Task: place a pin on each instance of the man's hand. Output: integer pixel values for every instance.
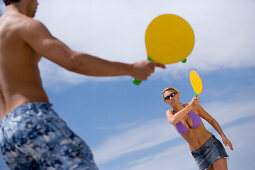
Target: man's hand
(143, 69)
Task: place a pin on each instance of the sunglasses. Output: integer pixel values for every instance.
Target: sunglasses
(171, 95)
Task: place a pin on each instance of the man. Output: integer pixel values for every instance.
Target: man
(32, 135)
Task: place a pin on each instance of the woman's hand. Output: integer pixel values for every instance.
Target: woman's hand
(227, 142)
(194, 102)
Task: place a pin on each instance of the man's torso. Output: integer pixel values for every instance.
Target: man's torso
(20, 80)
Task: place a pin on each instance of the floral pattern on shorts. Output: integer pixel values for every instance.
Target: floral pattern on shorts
(33, 136)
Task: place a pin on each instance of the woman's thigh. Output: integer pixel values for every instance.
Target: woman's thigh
(210, 168)
(220, 164)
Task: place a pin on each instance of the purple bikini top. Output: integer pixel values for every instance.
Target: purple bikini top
(196, 121)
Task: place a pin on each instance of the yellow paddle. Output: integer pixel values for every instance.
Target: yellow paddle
(168, 39)
(196, 82)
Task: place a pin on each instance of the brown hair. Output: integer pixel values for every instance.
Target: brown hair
(169, 89)
(8, 2)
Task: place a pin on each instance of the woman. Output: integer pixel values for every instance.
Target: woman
(207, 150)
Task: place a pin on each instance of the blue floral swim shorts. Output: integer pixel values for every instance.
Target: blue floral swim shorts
(33, 136)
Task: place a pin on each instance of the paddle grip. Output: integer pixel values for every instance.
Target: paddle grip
(138, 82)
(184, 61)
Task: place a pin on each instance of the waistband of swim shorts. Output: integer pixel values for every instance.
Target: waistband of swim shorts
(27, 106)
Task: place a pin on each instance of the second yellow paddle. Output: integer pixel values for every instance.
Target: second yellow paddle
(196, 82)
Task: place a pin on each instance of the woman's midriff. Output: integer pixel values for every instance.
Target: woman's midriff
(197, 137)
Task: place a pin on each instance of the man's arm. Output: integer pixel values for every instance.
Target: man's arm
(44, 44)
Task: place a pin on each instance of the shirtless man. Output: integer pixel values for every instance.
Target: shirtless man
(32, 135)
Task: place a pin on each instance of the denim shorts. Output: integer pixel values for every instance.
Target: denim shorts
(209, 152)
(33, 136)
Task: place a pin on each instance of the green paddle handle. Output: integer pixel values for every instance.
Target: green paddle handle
(195, 94)
(184, 61)
(138, 82)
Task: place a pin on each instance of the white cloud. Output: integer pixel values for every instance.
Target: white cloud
(170, 159)
(122, 126)
(155, 132)
(144, 136)
(228, 111)
(115, 30)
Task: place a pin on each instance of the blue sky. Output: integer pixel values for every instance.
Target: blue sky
(125, 125)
